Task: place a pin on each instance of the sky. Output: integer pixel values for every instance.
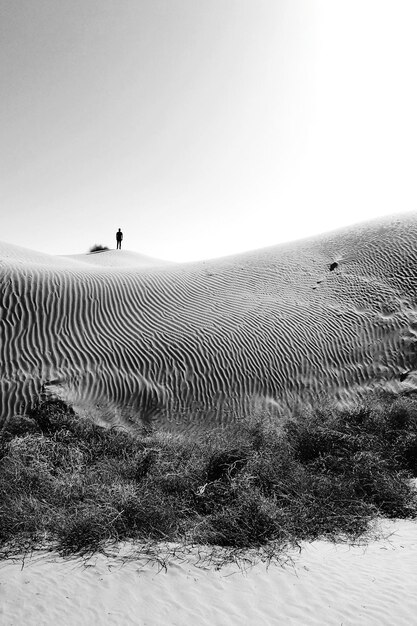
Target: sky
(203, 128)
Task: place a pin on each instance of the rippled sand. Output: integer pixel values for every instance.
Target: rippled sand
(135, 340)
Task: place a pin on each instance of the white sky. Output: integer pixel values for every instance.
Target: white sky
(203, 127)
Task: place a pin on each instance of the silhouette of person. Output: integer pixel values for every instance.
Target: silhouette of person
(119, 239)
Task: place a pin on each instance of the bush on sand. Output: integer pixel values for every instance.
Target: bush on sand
(328, 473)
(97, 247)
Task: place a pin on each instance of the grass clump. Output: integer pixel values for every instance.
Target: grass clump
(97, 247)
(327, 473)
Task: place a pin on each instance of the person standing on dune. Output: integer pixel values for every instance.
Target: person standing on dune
(119, 239)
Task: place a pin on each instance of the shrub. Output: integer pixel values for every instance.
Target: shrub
(324, 473)
(97, 247)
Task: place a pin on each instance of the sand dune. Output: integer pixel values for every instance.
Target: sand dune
(117, 258)
(331, 315)
(329, 584)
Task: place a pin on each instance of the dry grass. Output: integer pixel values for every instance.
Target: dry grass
(76, 486)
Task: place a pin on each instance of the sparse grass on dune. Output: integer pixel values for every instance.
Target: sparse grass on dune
(75, 486)
(97, 247)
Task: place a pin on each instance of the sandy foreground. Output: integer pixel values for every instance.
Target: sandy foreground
(325, 583)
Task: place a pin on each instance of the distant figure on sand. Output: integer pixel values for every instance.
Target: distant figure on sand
(119, 239)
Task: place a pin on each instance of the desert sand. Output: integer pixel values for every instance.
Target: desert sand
(324, 584)
(132, 340)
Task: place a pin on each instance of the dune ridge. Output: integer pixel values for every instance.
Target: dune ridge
(182, 345)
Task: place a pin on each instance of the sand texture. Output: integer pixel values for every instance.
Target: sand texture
(134, 340)
(328, 584)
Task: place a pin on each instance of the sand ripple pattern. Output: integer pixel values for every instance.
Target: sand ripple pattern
(192, 344)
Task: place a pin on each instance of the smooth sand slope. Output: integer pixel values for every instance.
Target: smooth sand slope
(117, 258)
(188, 344)
(327, 585)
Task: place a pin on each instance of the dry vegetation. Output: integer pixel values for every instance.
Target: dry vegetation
(98, 247)
(69, 484)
